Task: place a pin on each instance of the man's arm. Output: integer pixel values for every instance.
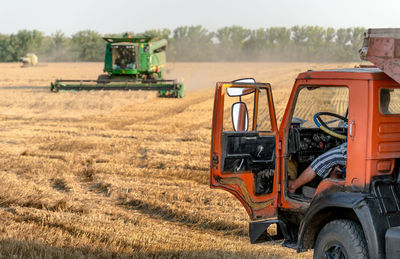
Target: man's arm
(304, 178)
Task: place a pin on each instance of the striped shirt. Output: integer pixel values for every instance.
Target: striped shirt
(335, 156)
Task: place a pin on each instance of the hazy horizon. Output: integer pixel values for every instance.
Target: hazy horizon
(103, 16)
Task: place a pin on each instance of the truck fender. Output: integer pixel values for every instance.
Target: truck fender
(359, 207)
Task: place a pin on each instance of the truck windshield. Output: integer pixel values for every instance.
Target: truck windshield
(389, 100)
(124, 57)
(314, 99)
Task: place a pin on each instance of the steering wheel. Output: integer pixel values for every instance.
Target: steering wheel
(324, 127)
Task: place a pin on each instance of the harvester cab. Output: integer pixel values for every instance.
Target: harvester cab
(123, 57)
(138, 57)
(130, 63)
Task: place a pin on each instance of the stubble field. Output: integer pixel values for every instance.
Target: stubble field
(121, 174)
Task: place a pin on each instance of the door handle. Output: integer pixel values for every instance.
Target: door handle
(352, 128)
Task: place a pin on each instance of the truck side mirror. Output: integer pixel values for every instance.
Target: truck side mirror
(240, 117)
(245, 80)
(236, 91)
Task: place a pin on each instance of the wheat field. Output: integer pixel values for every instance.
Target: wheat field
(121, 174)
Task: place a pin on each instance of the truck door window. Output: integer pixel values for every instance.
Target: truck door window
(264, 120)
(389, 101)
(258, 120)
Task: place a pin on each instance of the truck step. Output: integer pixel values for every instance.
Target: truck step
(258, 232)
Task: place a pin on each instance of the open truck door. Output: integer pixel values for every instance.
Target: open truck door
(244, 146)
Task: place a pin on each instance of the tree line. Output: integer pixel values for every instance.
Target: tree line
(196, 43)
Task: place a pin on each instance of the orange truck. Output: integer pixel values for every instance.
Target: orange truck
(354, 212)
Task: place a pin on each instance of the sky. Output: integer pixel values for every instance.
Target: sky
(118, 16)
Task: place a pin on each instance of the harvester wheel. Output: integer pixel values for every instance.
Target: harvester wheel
(53, 87)
(181, 92)
(341, 239)
(105, 79)
(152, 78)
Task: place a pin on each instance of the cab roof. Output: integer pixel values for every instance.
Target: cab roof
(126, 39)
(362, 73)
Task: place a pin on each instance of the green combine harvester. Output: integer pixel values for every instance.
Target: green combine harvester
(131, 63)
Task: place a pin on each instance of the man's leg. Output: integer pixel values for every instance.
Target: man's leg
(304, 178)
(320, 166)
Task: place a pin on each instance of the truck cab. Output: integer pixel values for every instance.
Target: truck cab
(254, 159)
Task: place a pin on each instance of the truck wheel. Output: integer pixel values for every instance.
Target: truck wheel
(341, 239)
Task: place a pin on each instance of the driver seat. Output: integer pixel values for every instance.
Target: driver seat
(337, 172)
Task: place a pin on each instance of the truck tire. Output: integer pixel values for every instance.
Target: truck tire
(341, 239)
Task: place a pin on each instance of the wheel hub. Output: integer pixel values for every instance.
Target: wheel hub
(335, 251)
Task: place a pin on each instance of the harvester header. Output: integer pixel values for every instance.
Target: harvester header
(130, 63)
